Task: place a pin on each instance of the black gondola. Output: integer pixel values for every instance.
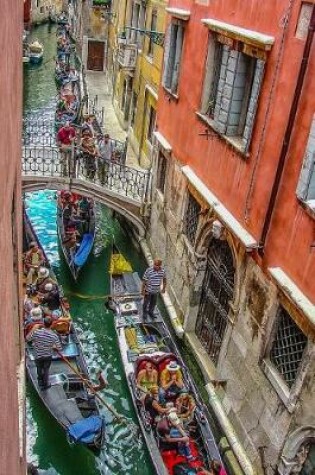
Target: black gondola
(151, 341)
(76, 253)
(68, 400)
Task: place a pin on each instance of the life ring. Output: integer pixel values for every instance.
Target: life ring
(128, 306)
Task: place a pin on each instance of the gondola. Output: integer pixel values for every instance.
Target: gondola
(77, 251)
(150, 341)
(67, 399)
(36, 52)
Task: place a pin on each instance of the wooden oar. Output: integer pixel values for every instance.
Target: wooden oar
(118, 416)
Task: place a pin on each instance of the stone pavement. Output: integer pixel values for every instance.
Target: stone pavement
(100, 84)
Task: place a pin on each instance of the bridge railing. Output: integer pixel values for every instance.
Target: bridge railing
(110, 175)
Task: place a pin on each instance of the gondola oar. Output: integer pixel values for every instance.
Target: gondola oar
(117, 416)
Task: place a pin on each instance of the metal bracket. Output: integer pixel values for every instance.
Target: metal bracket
(157, 37)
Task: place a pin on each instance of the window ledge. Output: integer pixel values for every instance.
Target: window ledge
(179, 13)
(149, 58)
(160, 196)
(284, 393)
(170, 94)
(309, 206)
(235, 142)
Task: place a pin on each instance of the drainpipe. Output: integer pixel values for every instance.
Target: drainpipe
(176, 324)
(229, 432)
(288, 132)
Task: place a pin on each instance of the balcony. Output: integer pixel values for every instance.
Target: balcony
(127, 55)
(101, 4)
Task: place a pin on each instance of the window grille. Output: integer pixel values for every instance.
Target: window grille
(306, 185)
(191, 219)
(161, 173)
(288, 347)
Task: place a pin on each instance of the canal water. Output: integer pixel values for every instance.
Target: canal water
(125, 452)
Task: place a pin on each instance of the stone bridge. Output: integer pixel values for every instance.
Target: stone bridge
(118, 186)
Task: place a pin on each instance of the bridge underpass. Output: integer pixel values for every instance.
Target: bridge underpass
(120, 187)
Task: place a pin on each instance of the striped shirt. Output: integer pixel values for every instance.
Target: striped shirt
(153, 279)
(43, 341)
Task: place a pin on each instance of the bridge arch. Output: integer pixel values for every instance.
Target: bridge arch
(131, 210)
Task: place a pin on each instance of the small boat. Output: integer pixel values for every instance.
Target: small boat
(62, 19)
(68, 400)
(36, 52)
(150, 341)
(76, 232)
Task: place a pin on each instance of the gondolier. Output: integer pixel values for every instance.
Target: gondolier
(44, 342)
(153, 282)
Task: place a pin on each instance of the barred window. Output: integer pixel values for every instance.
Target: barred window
(161, 173)
(288, 347)
(191, 219)
(151, 126)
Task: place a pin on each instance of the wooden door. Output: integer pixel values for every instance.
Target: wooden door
(95, 59)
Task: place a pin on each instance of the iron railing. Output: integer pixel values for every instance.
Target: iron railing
(111, 175)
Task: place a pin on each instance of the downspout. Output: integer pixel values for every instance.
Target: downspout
(288, 132)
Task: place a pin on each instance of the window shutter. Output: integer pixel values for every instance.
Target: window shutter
(167, 45)
(253, 102)
(177, 59)
(306, 184)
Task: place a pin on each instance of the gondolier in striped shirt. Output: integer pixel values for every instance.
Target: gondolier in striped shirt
(45, 341)
(153, 282)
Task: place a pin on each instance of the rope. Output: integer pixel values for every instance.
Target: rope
(100, 297)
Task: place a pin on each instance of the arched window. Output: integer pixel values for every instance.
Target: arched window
(217, 293)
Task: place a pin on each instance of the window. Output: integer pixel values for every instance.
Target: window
(288, 347)
(152, 119)
(137, 23)
(172, 56)
(161, 173)
(153, 27)
(306, 185)
(191, 219)
(134, 108)
(231, 88)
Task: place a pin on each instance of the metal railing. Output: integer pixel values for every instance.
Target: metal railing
(110, 175)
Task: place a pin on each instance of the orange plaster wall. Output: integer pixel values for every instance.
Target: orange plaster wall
(244, 184)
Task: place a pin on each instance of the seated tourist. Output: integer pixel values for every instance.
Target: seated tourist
(43, 279)
(152, 405)
(147, 377)
(170, 429)
(215, 469)
(33, 321)
(51, 297)
(185, 406)
(171, 381)
(34, 258)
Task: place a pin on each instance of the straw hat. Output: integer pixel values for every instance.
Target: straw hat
(43, 272)
(172, 366)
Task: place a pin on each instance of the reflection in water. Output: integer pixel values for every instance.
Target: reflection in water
(124, 452)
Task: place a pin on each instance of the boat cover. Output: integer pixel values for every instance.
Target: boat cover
(85, 430)
(84, 249)
(119, 265)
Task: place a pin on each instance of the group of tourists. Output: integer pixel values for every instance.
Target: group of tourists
(47, 318)
(76, 212)
(97, 150)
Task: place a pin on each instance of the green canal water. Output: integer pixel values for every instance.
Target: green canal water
(125, 453)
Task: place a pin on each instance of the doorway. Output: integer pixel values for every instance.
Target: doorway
(95, 60)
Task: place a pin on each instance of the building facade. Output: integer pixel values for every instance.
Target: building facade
(233, 202)
(137, 62)
(12, 416)
(42, 10)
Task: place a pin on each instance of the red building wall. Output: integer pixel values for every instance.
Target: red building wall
(27, 10)
(243, 184)
(12, 455)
